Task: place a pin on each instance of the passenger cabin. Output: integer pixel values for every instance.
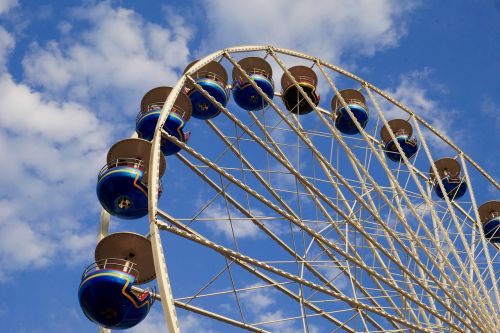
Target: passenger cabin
(356, 102)
(307, 79)
(151, 106)
(122, 260)
(489, 213)
(213, 79)
(402, 132)
(244, 93)
(449, 173)
(122, 183)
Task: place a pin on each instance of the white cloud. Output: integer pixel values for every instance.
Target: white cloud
(53, 142)
(285, 326)
(324, 28)
(153, 323)
(29, 113)
(193, 323)
(222, 224)
(413, 92)
(423, 210)
(6, 5)
(52, 151)
(490, 108)
(64, 27)
(78, 247)
(283, 179)
(257, 300)
(115, 61)
(335, 276)
(6, 45)
(20, 246)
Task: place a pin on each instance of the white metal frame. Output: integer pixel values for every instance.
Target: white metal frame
(449, 291)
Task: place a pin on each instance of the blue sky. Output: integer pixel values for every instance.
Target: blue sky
(72, 75)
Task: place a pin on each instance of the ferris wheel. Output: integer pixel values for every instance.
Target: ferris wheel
(320, 205)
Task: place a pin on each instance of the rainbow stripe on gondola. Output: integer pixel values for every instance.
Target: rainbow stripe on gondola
(107, 299)
(247, 97)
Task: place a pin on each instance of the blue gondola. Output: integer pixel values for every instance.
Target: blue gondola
(489, 213)
(492, 229)
(454, 185)
(292, 98)
(122, 261)
(357, 104)
(147, 118)
(402, 131)
(107, 299)
(121, 185)
(213, 79)
(245, 95)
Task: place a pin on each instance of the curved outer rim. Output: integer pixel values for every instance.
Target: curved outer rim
(255, 48)
(158, 255)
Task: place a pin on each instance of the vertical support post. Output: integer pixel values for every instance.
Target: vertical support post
(103, 232)
(103, 225)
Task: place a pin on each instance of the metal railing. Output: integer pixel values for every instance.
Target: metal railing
(256, 71)
(117, 264)
(300, 79)
(455, 178)
(122, 162)
(399, 132)
(209, 75)
(157, 106)
(339, 105)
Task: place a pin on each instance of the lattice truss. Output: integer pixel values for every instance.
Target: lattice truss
(292, 226)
